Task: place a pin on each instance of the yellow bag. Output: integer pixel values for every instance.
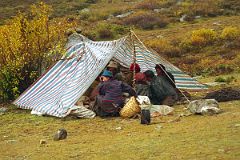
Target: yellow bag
(130, 109)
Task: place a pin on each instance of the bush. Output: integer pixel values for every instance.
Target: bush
(146, 20)
(203, 37)
(29, 44)
(8, 83)
(228, 80)
(198, 39)
(230, 33)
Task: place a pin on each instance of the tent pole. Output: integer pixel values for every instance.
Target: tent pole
(134, 60)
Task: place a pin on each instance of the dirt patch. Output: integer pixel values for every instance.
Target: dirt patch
(225, 94)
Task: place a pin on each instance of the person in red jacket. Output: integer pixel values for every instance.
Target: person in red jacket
(141, 85)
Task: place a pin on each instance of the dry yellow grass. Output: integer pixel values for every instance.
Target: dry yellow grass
(193, 137)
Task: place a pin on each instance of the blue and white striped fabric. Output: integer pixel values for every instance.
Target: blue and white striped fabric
(148, 59)
(60, 88)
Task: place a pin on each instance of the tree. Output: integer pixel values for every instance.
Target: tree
(29, 43)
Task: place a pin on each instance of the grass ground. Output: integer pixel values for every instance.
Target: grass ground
(192, 137)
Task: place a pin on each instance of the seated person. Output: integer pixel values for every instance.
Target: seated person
(114, 68)
(161, 71)
(143, 89)
(110, 99)
(161, 91)
(129, 77)
(141, 85)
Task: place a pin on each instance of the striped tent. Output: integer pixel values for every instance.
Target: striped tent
(62, 85)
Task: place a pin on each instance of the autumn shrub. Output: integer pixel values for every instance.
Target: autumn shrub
(230, 33)
(203, 37)
(29, 44)
(146, 20)
(198, 39)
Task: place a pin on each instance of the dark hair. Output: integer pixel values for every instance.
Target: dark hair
(149, 73)
(160, 66)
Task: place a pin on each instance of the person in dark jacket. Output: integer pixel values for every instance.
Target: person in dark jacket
(161, 91)
(109, 101)
(164, 74)
(161, 71)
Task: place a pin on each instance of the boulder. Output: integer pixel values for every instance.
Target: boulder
(60, 135)
(204, 107)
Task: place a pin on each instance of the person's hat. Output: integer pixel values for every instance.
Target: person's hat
(160, 66)
(137, 67)
(107, 73)
(112, 64)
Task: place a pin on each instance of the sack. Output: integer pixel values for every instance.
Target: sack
(161, 110)
(81, 112)
(130, 109)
